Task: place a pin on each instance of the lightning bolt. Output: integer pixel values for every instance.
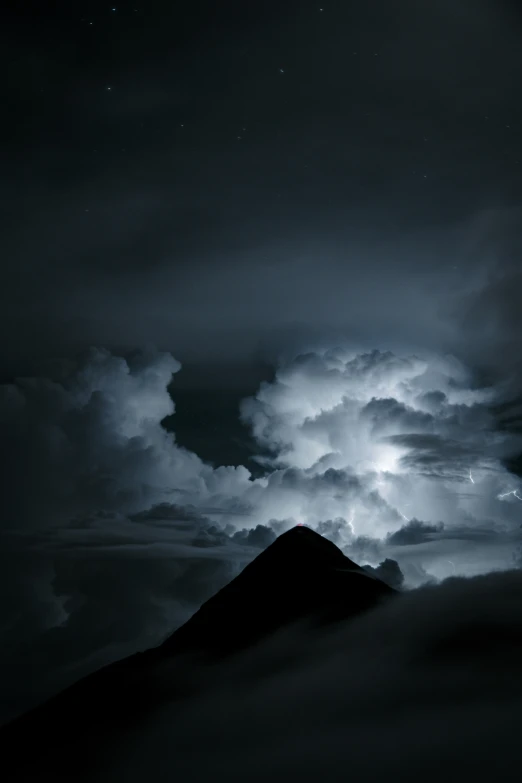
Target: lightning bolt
(513, 492)
(402, 515)
(471, 479)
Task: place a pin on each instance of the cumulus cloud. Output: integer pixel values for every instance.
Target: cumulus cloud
(400, 438)
(89, 438)
(388, 571)
(260, 536)
(112, 533)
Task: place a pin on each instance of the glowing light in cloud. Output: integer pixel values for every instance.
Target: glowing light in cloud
(373, 430)
(350, 442)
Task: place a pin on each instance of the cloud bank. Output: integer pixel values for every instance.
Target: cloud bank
(427, 686)
(113, 534)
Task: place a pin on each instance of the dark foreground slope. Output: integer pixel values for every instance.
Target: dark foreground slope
(301, 576)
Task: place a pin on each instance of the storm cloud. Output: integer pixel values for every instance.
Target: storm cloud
(113, 534)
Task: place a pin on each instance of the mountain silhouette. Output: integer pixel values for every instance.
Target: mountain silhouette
(300, 577)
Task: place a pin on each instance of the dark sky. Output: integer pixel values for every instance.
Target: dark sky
(229, 180)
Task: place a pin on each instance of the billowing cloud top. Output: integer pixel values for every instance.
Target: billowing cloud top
(109, 524)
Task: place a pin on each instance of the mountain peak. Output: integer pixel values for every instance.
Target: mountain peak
(301, 542)
(301, 575)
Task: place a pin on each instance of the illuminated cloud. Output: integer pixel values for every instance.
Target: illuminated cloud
(396, 460)
(380, 440)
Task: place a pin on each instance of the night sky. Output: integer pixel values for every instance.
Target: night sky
(261, 265)
(228, 180)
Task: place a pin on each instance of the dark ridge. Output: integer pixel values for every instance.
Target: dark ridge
(301, 576)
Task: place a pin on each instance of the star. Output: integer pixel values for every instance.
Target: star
(108, 89)
(281, 70)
